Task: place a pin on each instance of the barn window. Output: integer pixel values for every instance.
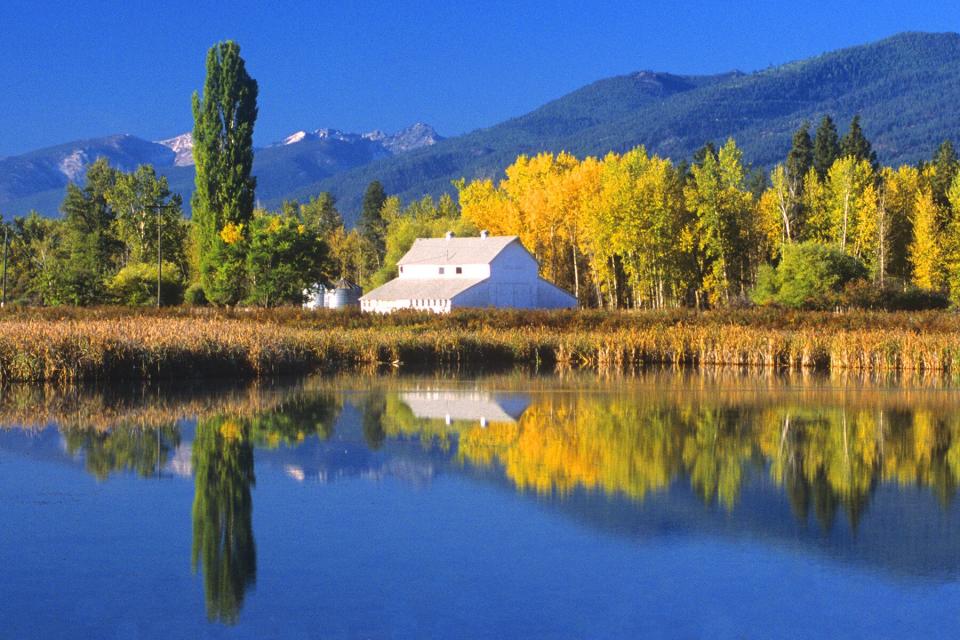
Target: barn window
(441, 270)
(459, 269)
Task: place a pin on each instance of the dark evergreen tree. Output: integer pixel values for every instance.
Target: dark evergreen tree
(373, 227)
(701, 154)
(223, 152)
(826, 146)
(945, 165)
(855, 144)
(799, 159)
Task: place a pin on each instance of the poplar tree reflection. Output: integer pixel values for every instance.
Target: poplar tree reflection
(223, 542)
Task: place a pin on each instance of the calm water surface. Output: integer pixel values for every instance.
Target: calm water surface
(671, 505)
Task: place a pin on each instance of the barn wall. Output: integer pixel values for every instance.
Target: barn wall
(476, 296)
(514, 265)
(550, 296)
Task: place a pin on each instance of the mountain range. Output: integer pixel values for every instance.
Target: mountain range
(37, 180)
(905, 89)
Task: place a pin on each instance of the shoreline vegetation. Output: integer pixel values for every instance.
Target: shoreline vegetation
(70, 344)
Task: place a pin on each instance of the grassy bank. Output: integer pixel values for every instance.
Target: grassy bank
(72, 344)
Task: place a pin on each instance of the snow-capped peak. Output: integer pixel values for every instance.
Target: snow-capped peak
(413, 137)
(295, 137)
(182, 146)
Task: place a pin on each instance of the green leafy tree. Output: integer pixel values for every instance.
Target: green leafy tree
(136, 284)
(283, 258)
(140, 200)
(424, 218)
(810, 276)
(90, 250)
(320, 215)
(224, 118)
(826, 147)
(34, 256)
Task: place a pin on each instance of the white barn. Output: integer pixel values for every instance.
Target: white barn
(439, 274)
(466, 406)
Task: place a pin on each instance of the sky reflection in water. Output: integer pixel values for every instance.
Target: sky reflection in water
(670, 505)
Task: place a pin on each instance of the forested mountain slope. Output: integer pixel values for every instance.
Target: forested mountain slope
(906, 89)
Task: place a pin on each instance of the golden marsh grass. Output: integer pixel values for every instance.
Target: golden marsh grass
(71, 345)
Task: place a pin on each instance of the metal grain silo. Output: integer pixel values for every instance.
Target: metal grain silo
(344, 294)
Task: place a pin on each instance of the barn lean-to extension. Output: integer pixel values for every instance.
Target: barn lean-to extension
(440, 274)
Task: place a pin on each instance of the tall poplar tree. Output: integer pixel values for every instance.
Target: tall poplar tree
(826, 146)
(223, 152)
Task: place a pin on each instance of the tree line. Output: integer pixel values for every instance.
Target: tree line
(123, 238)
(828, 227)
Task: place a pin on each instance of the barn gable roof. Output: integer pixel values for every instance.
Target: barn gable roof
(444, 251)
(466, 405)
(422, 289)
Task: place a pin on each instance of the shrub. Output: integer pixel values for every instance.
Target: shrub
(136, 284)
(810, 275)
(892, 296)
(194, 295)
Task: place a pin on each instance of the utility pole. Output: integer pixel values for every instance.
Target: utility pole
(159, 259)
(3, 295)
(159, 208)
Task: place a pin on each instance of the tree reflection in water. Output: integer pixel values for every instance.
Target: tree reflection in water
(826, 456)
(123, 448)
(223, 542)
(827, 449)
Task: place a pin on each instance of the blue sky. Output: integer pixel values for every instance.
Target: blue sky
(81, 69)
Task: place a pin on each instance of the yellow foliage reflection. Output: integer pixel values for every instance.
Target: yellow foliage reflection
(824, 455)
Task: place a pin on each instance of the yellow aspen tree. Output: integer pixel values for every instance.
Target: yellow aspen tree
(816, 204)
(486, 207)
(898, 194)
(774, 210)
(952, 242)
(725, 222)
(926, 250)
(864, 235)
(601, 224)
(847, 181)
(582, 185)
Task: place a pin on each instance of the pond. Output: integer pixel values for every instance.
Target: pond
(677, 505)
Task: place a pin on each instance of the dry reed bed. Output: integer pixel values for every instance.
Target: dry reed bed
(156, 346)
